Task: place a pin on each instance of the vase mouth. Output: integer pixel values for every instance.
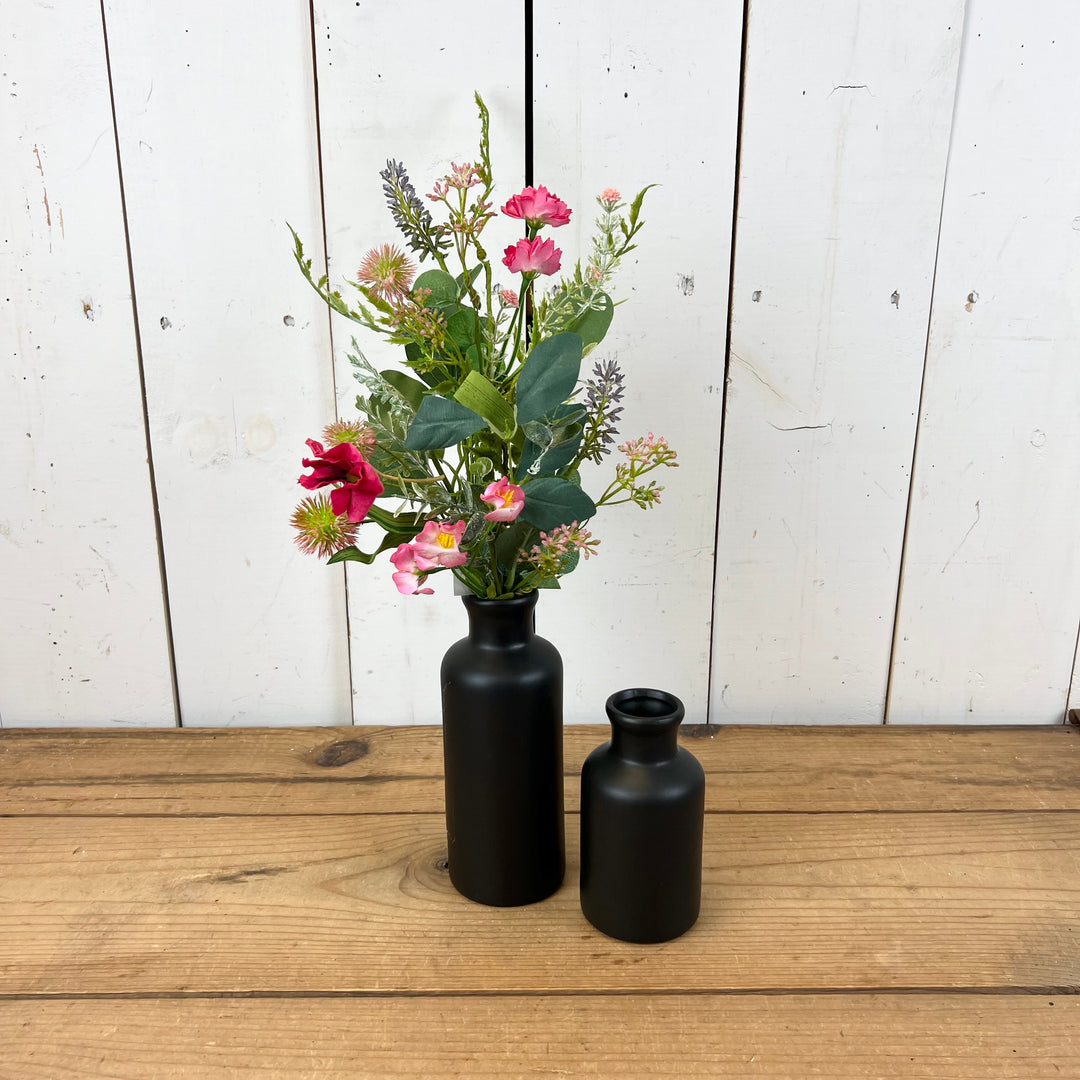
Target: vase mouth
(645, 709)
(471, 600)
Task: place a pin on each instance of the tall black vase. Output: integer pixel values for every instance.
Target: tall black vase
(642, 812)
(502, 690)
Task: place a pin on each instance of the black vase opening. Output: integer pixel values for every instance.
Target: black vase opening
(642, 816)
(502, 694)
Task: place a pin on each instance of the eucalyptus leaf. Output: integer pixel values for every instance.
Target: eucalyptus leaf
(410, 389)
(441, 422)
(444, 289)
(548, 376)
(593, 324)
(551, 501)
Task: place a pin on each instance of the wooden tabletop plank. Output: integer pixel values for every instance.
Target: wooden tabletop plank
(843, 1037)
(362, 903)
(399, 769)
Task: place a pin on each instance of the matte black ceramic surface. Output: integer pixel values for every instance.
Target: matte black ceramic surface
(642, 812)
(502, 689)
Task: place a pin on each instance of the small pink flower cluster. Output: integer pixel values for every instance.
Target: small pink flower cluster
(461, 177)
(609, 197)
(550, 554)
(435, 546)
(508, 298)
(648, 450)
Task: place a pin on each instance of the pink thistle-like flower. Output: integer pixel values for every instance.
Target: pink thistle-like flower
(507, 498)
(538, 207)
(388, 272)
(344, 464)
(350, 431)
(409, 579)
(508, 297)
(319, 530)
(534, 256)
(609, 197)
(437, 545)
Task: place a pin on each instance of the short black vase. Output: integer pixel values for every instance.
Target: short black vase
(642, 813)
(502, 692)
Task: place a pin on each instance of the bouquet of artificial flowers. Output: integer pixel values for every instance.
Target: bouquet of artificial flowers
(479, 441)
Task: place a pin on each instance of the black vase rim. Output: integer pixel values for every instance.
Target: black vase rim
(513, 601)
(645, 709)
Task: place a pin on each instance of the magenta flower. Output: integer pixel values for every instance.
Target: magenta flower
(437, 545)
(538, 207)
(344, 464)
(507, 498)
(408, 578)
(534, 256)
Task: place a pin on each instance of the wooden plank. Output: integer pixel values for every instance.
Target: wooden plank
(845, 130)
(215, 110)
(991, 597)
(399, 769)
(80, 587)
(398, 94)
(648, 103)
(842, 1036)
(363, 903)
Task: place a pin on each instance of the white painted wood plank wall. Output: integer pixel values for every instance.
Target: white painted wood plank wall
(83, 636)
(845, 131)
(991, 585)
(847, 117)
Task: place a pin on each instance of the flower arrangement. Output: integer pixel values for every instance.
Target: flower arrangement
(481, 439)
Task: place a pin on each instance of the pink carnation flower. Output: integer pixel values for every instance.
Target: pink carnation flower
(507, 498)
(538, 207)
(437, 545)
(534, 256)
(610, 196)
(344, 464)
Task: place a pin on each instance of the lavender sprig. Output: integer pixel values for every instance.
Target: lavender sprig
(410, 214)
(602, 393)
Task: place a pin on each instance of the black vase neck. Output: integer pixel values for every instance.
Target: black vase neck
(645, 724)
(501, 623)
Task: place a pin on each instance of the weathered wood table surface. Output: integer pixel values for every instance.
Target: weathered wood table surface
(274, 904)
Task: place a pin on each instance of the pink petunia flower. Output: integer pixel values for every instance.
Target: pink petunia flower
(344, 464)
(534, 256)
(408, 578)
(437, 545)
(538, 207)
(507, 498)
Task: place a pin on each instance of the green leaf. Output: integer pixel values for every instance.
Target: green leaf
(549, 583)
(593, 325)
(403, 523)
(539, 433)
(441, 422)
(354, 554)
(548, 376)
(444, 289)
(551, 461)
(461, 328)
(474, 273)
(551, 501)
(478, 394)
(514, 538)
(410, 389)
